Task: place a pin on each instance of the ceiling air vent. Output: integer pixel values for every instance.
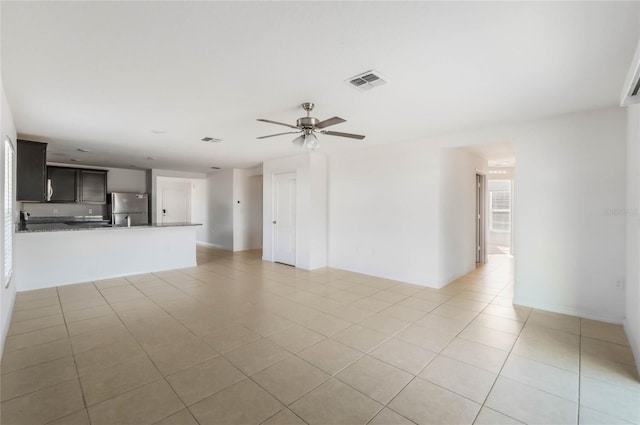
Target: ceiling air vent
(631, 88)
(367, 80)
(211, 140)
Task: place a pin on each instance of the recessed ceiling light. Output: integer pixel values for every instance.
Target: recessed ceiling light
(211, 139)
(75, 160)
(82, 150)
(159, 131)
(152, 158)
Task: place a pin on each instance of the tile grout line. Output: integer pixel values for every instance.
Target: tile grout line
(294, 354)
(500, 372)
(416, 376)
(439, 353)
(145, 353)
(73, 354)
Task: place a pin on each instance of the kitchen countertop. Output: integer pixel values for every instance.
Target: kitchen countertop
(62, 227)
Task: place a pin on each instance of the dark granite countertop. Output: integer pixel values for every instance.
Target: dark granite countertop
(63, 227)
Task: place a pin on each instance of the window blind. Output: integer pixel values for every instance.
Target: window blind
(8, 210)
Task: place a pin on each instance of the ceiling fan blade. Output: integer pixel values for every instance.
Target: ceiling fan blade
(337, 133)
(330, 122)
(279, 134)
(276, 122)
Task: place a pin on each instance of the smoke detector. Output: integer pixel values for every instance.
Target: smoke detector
(367, 80)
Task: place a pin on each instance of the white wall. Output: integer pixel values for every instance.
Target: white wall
(384, 212)
(570, 170)
(247, 209)
(311, 188)
(319, 212)
(7, 295)
(387, 216)
(220, 209)
(124, 180)
(570, 251)
(632, 215)
(200, 207)
(255, 212)
(457, 222)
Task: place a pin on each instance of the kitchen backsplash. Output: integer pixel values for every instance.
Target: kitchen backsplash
(64, 210)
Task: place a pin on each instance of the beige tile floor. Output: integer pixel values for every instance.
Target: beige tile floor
(241, 341)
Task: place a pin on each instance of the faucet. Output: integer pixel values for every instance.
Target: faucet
(24, 217)
(128, 217)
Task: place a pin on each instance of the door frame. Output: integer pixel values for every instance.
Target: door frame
(481, 218)
(273, 214)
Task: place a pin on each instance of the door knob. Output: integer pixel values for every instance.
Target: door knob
(274, 222)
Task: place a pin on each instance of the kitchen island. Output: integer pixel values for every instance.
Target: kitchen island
(54, 254)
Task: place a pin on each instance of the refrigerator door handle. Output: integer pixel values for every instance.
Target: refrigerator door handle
(49, 190)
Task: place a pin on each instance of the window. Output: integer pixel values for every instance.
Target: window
(500, 205)
(8, 210)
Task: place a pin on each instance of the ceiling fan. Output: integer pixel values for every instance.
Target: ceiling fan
(308, 126)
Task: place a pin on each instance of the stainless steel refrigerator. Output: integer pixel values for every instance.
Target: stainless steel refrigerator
(129, 208)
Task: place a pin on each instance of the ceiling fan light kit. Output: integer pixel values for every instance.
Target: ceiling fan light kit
(309, 126)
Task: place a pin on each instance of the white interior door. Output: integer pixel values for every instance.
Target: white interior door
(284, 218)
(174, 200)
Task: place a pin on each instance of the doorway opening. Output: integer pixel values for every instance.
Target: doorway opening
(500, 212)
(173, 203)
(495, 200)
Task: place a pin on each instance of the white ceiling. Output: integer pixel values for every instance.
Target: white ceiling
(103, 75)
(497, 154)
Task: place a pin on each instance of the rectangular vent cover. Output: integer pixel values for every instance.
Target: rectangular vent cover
(367, 80)
(211, 140)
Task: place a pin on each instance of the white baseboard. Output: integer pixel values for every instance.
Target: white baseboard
(571, 311)
(635, 345)
(5, 325)
(211, 245)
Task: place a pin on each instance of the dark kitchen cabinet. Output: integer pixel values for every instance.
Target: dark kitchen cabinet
(31, 162)
(64, 184)
(93, 186)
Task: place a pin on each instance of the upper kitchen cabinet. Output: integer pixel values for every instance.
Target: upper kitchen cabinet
(63, 184)
(31, 171)
(93, 186)
(77, 185)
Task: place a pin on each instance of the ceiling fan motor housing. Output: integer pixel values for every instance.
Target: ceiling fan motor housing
(307, 122)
